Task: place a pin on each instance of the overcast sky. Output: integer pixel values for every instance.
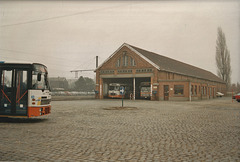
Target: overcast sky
(67, 35)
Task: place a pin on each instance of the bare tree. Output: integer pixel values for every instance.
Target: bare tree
(223, 58)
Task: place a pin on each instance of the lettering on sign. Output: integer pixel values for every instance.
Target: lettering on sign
(121, 90)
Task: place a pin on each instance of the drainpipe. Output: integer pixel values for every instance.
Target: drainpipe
(190, 95)
(100, 89)
(151, 88)
(134, 89)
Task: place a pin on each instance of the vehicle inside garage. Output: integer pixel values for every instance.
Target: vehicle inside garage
(129, 84)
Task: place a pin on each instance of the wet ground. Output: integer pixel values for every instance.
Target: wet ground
(100, 130)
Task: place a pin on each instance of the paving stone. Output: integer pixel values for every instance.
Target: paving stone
(86, 130)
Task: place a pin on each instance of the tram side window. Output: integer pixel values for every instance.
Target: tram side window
(6, 81)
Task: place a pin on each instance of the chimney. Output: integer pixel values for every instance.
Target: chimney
(96, 61)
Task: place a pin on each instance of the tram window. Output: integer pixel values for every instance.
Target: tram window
(39, 83)
(6, 78)
(22, 79)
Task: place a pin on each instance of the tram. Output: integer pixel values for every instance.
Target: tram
(24, 90)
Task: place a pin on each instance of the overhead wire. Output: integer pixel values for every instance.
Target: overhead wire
(27, 59)
(35, 54)
(62, 16)
(88, 70)
(30, 60)
(53, 62)
(86, 62)
(48, 19)
(53, 18)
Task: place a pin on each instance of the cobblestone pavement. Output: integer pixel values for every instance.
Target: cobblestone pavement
(92, 130)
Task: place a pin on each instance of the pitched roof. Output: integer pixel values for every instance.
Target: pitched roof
(174, 66)
(170, 65)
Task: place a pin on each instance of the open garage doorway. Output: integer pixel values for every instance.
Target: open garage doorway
(131, 85)
(143, 85)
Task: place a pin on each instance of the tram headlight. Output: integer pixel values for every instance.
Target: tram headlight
(41, 109)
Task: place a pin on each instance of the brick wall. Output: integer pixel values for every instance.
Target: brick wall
(204, 89)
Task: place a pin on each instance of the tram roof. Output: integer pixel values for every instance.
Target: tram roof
(19, 64)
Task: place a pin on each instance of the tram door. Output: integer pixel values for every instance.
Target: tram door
(13, 92)
(21, 91)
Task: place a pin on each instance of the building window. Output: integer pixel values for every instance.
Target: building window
(125, 59)
(195, 92)
(144, 70)
(125, 71)
(191, 89)
(118, 62)
(133, 63)
(107, 72)
(178, 89)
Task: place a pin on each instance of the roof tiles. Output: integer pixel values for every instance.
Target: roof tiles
(171, 65)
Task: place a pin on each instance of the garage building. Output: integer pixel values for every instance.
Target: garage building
(168, 79)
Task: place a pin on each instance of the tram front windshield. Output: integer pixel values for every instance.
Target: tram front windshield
(40, 78)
